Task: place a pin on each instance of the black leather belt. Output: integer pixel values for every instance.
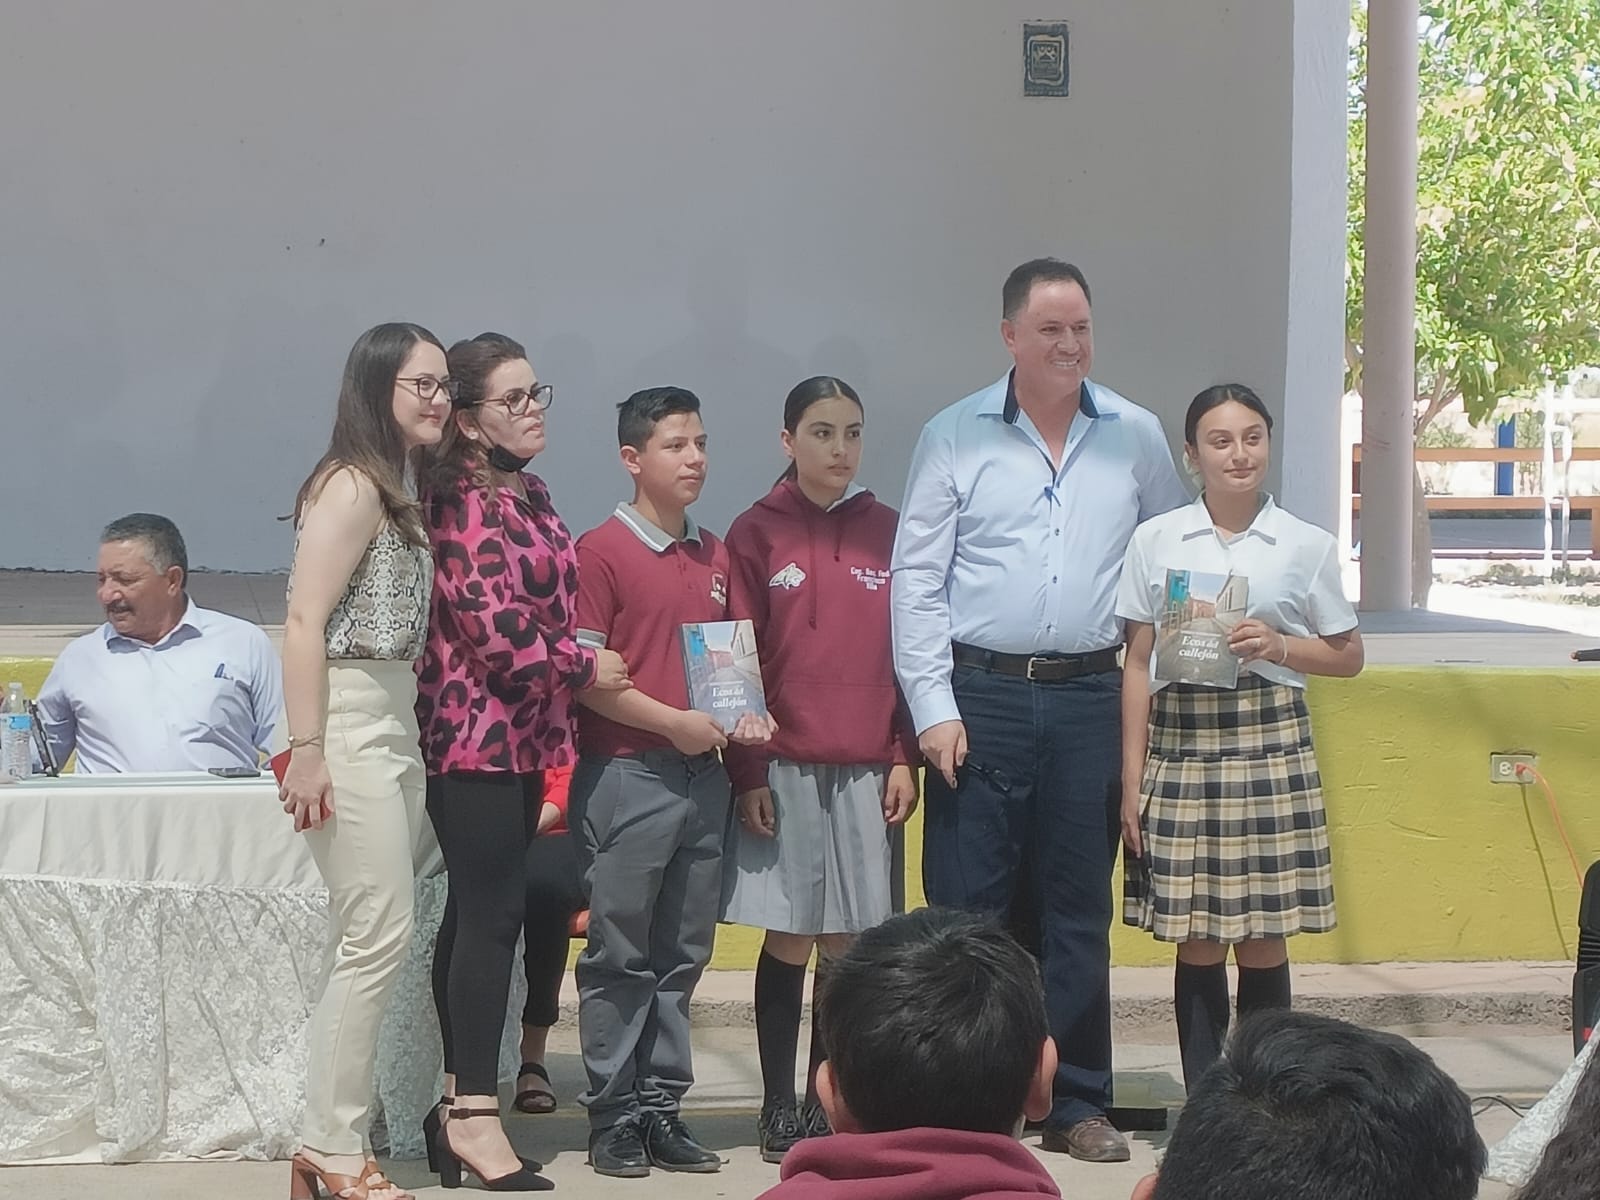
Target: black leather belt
(1036, 668)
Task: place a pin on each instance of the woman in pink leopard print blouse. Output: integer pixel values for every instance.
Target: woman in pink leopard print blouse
(495, 693)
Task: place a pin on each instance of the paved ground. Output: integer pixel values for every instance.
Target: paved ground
(1419, 997)
(1517, 1066)
(1457, 536)
(1493, 1026)
(67, 597)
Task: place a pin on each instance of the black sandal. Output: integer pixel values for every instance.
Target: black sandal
(534, 1099)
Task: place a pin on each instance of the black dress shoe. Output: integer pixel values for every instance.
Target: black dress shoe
(779, 1129)
(815, 1120)
(670, 1145)
(618, 1151)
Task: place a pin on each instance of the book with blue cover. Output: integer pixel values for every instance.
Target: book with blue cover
(1198, 613)
(723, 670)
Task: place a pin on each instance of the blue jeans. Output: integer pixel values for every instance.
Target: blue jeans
(1043, 774)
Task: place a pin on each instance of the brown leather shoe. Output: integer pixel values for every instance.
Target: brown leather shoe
(1092, 1140)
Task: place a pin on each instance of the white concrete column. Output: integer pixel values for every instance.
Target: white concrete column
(1389, 319)
(1309, 446)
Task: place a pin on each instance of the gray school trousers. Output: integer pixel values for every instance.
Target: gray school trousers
(650, 831)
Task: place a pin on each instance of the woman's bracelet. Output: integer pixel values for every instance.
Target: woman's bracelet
(1284, 661)
(295, 743)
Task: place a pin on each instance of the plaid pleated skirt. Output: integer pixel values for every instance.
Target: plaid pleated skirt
(1235, 834)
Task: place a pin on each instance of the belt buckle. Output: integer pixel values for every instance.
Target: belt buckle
(1034, 659)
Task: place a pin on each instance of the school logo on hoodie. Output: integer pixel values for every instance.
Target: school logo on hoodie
(789, 578)
(871, 578)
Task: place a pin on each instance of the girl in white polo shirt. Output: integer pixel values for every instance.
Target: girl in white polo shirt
(1222, 813)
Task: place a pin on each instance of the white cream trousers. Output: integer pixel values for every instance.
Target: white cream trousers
(369, 854)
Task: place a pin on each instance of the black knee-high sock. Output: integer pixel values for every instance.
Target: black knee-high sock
(1263, 987)
(1200, 996)
(780, 994)
(818, 1053)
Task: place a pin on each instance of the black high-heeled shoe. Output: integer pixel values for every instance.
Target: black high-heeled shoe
(431, 1125)
(430, 1130)
(525, 1178)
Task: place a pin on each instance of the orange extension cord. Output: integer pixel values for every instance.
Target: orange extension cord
(1523, 772)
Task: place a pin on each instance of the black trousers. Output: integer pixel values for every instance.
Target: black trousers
(484, 822)
(555, 892)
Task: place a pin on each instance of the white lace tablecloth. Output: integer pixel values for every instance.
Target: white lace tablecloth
(1513, 1159)
(162, 941)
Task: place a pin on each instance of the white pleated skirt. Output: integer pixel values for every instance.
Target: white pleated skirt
(829, 868)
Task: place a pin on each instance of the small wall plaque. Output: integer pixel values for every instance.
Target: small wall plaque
(1044, 58)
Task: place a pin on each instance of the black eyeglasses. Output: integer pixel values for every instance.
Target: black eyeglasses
(427, 387)
(519, 400)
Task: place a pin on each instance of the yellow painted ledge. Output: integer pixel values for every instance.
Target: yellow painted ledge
(1432, 862)
(30, 672)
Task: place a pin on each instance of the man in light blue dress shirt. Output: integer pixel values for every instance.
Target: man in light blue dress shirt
(1018, 511)
(163, 685)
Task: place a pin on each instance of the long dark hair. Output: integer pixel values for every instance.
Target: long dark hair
(1216, 397)
(472, 361)
(365, 436)
(1571, 1162)
(802, 396)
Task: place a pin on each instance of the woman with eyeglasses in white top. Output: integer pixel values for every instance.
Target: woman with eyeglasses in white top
(357, 620)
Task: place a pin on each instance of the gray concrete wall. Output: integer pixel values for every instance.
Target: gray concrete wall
(205, 203)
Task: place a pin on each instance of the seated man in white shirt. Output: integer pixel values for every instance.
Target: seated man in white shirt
(163, 685)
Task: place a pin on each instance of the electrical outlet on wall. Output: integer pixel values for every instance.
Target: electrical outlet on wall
(1503, 767)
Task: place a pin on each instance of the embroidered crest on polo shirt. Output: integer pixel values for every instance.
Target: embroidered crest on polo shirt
(719, 587)
(870, 578)
(789, 578)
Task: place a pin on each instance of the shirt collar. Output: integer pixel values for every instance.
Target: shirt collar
(1004, 404)
(851, 491)
(1200, 523)
(190, 620)
(650, 533)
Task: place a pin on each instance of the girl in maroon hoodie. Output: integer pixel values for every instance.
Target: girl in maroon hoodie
(810, 859)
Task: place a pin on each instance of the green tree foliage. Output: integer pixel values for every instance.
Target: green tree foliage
(1508, 187)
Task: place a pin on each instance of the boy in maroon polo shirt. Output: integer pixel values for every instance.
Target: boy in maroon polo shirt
(650, 798)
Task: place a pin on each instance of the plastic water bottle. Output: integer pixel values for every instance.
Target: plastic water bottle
(16, 735)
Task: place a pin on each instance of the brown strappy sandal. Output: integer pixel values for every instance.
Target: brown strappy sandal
(305, 1177)
(372, 1175)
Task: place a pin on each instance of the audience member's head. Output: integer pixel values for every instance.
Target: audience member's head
(142, 571)
(1570, 1168)
(1316, 1109)
(936, 1019)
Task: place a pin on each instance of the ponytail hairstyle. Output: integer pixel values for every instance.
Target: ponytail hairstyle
(804, 394)
(365, 437)
(1216, 397)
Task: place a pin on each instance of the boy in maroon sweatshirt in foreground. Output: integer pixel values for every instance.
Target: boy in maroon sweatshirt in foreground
(938, 1049)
